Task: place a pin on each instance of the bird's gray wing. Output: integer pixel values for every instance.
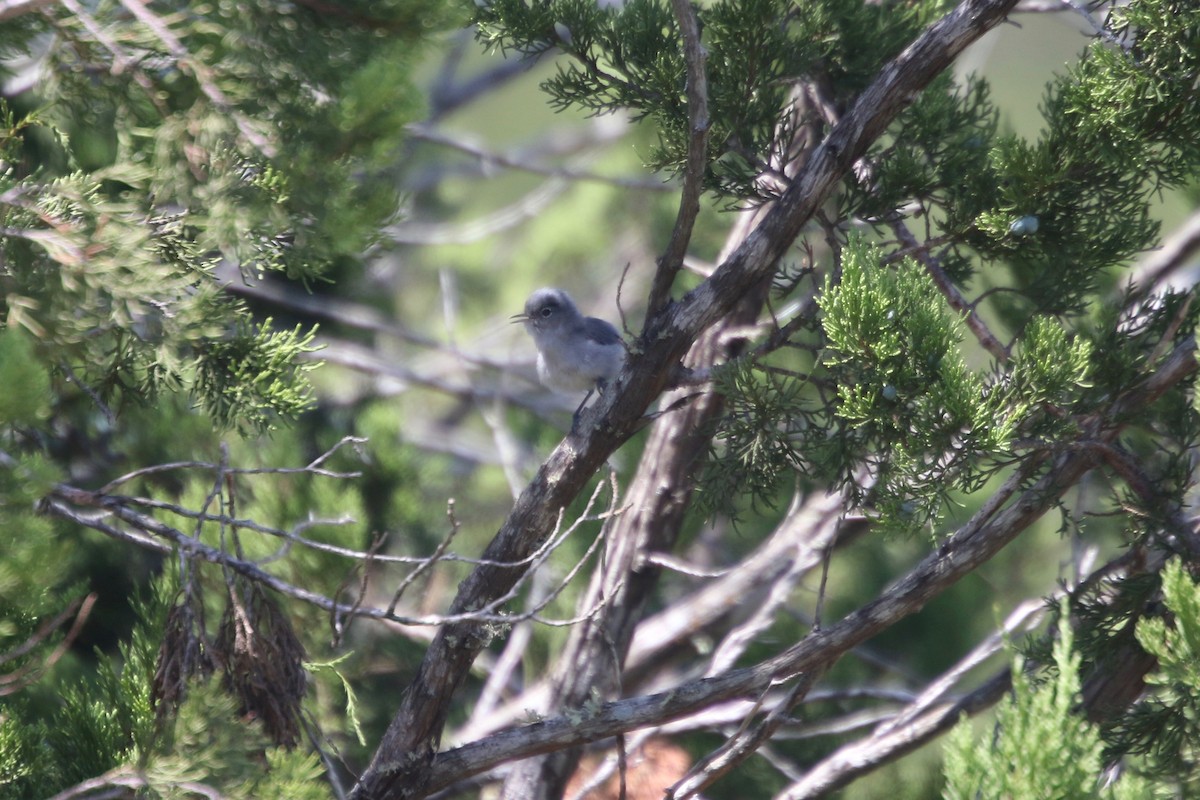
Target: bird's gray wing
(600, 331)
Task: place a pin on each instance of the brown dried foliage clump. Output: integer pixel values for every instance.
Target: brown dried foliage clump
(185, 653)
(263, 662)
(256, 650)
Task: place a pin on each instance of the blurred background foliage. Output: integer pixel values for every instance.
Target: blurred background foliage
(202, 202)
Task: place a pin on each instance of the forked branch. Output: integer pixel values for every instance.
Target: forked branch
(403, 762)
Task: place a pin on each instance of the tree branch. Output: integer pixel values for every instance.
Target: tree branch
(1174, 255)
(888, 744)
(993, 527)
(927, 716)
(402, 763)
(157, 536)
(699, 123)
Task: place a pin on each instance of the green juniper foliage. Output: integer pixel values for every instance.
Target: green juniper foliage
(938, 154)
(209, 682)
(236, 759)
(99, 724)
(108, 726)
(902, 398)
(1042, 223)
(1059, 211)
(904, 394)
(1041, 746)
(216, 146)
(1164, 729)
(757, 438)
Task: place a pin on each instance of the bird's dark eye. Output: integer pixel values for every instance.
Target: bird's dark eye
(547, 311)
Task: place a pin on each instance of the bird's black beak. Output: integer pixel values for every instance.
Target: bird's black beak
(515, 318)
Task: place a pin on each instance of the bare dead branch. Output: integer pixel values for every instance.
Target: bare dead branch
(787, 545)
(510, 658)
(293, 535)
(928, 715)
(314, 468)
(811, 530)
(1161, 267)
(427, 564)
(741, 745)
(362, 571)
(885, 745)
(148, 532)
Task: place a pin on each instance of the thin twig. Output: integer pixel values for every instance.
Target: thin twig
(428, 563)
(809, 551)
(161, 537)
(81, 609)
(313, 468)
(740, 746)
(426, 133)
(851, 761)
(950, 292)
(337, 624)
(123, 779)
(789, 544)
(694, 56)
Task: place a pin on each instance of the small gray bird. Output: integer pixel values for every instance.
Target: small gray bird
(575, 353)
